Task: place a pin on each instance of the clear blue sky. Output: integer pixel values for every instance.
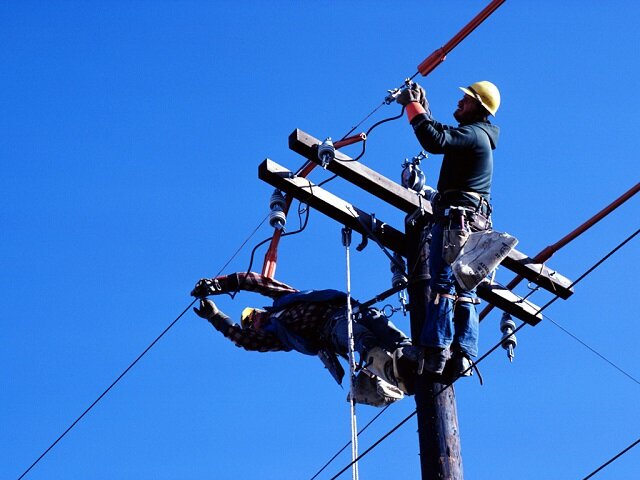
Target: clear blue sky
(130, 138)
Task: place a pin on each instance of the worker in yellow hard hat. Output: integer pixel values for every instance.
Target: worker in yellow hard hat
(463, 204)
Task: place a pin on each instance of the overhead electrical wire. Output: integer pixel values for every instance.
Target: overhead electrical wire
(113, 384)
(364, 142)
(349, 442)
(242, 245)
(593, 350)
(303, 225)
(489, 352)
(613, 459)
(107, 389)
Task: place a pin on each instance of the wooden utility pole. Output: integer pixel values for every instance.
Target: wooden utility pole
(438, 431)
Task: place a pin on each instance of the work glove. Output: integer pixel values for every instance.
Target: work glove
(210, 312)
(215, 286)
(207, 309)
(414, 93)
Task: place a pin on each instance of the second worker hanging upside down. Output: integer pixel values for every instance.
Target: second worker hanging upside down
(313, 322)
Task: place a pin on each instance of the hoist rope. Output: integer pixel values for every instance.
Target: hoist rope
(113, 384)
(346, 241)
(349, 443)
(372, 235)
(489, 352)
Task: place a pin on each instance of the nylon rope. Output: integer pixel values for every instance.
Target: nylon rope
(489, 352)
(346, 241)
(349, 443)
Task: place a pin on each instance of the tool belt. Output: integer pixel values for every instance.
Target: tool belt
(459, 222)
(476, 218)
(465, 218)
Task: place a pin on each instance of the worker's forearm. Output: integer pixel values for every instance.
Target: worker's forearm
(222, 323)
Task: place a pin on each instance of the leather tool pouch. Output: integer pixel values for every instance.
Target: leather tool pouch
(478, 222)
(452, 242)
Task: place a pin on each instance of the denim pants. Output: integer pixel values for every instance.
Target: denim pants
(370, 329)
(448, 324)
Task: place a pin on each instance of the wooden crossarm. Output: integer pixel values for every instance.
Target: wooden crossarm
(408, 201)
(351, 216)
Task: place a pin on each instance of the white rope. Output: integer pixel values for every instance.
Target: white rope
(346, 241)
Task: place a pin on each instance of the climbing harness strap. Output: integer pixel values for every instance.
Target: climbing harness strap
(455, 298)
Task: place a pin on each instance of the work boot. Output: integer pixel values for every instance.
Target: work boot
(459, 365)
(405, 367)
(380, 363)
(434, 360)
(369, 389)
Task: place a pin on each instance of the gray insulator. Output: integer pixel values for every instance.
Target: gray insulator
(398, 273)
(326, 152)
(507, 326)
(277, 200)
(277, 218)
(397, 279)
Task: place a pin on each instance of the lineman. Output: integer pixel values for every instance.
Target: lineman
(464, 185)
(313, 322)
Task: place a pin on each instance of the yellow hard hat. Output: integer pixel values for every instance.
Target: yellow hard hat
(486, 93)
(247, 316)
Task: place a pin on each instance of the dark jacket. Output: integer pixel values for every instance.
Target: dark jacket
(467, 165)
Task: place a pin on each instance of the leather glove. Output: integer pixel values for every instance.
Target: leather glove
(414, 93)
(210, 312)
(207, 309)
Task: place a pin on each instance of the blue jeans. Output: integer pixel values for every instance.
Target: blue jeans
(371, 329)
(448, 324)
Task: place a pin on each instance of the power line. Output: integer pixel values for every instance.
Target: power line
(243, 244)
(133, 363)
(349, 442)
(490, 351)
(107, 390)
(596, 265)
(601, 467)
(593, 350)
